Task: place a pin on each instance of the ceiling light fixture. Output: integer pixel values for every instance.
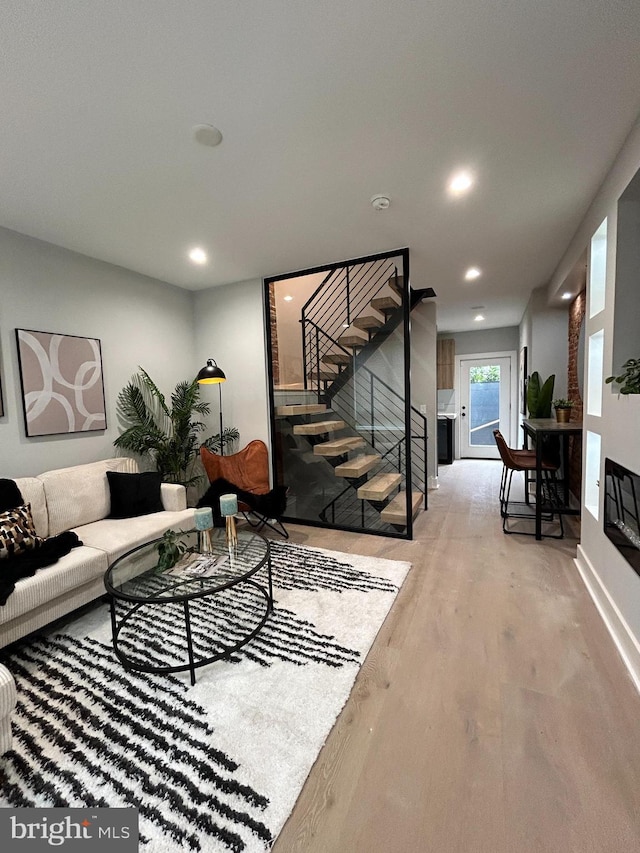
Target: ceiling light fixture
(472, 273)
(479, 317)
(288, 298)
(567, 295)
(207, 134)
(380, 202)
(198, 256)
(460, 182)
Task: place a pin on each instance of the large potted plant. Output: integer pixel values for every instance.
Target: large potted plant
(540, 395)
(167, 433)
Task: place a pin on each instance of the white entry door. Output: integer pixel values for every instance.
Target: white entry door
(485, 405)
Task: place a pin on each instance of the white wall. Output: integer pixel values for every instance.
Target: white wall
(229, 327)
(544, 330)
(611, 580)
(289, 327)
(139, 321)
(485, 340)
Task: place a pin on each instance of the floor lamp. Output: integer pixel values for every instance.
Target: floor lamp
(212, 375)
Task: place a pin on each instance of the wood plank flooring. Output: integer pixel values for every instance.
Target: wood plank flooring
(493, 713)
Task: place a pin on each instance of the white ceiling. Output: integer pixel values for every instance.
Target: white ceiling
(322, 103)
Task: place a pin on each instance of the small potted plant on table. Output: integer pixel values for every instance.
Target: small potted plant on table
(563, 410)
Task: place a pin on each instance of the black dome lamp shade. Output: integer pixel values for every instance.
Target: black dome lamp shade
(210, 374)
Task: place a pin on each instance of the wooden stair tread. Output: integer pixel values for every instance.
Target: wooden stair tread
(301, 409)
(358, 466)
(336, 358)
(327, 375)
(396, 512)
(318, 427)
(352, 341)
(397, 284)
(338, 446)
(368, 321)
(379, 487)
(386, 303)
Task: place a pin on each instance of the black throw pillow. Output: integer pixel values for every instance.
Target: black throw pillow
(134, 494)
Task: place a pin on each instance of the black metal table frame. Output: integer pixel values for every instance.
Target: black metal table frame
(537, 429)
(116, 595)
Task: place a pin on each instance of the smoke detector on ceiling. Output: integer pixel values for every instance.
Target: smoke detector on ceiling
(380, 202)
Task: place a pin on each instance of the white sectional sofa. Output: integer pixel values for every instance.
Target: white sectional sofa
(77, 499)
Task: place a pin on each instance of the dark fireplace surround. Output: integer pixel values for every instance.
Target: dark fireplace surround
(621, 511)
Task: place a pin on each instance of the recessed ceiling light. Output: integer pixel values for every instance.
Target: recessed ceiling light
(198, 256)
(288, 298)
(460, 182)
(207, 134)
(479, 317)
(471, 273)
(567, 295)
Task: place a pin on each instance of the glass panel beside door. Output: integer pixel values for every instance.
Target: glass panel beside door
(485, 405)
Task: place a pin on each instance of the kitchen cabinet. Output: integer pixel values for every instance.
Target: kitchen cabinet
(445, 362)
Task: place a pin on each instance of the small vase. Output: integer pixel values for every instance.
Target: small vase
(563, 416)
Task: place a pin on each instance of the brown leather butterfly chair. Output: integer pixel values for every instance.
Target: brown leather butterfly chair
(248, 471)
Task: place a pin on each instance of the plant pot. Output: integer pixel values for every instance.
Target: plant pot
(563, 416)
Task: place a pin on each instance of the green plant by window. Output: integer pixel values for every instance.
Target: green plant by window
(629, 379)
(167, 433)
(561, 403)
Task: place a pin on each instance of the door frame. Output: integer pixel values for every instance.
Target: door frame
(512, 355)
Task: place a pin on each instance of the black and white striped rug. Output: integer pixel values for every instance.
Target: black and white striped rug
(213, 767)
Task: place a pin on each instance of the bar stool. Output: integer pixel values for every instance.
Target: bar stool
(525, 461)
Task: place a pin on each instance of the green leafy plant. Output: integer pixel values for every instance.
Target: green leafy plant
(540, 395)
(561, 403)
(489, 373)
(170, 549)
(629, 379)
(167, 433)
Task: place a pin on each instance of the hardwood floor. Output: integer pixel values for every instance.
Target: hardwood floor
(493, 714)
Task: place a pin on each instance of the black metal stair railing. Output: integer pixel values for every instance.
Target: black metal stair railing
(371, 409)
(371, 406)
(376, 412)
(340, 298)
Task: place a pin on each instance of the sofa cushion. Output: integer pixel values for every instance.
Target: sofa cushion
(73, 570)
(17, 533)
(80, 495)
(134, 494)
(116, 536)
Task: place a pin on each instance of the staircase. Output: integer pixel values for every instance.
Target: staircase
(348, 439)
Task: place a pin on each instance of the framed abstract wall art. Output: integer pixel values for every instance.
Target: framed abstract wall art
(62, 383)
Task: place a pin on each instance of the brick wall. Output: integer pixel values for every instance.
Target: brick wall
(275, 361)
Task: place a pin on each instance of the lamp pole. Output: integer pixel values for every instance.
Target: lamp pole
(220, 398)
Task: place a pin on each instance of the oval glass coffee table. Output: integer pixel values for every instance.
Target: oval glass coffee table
(203, 609)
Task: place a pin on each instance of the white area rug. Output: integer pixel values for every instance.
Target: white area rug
(213, 767)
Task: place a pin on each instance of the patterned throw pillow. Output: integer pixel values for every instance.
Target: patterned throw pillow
(17, 532)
